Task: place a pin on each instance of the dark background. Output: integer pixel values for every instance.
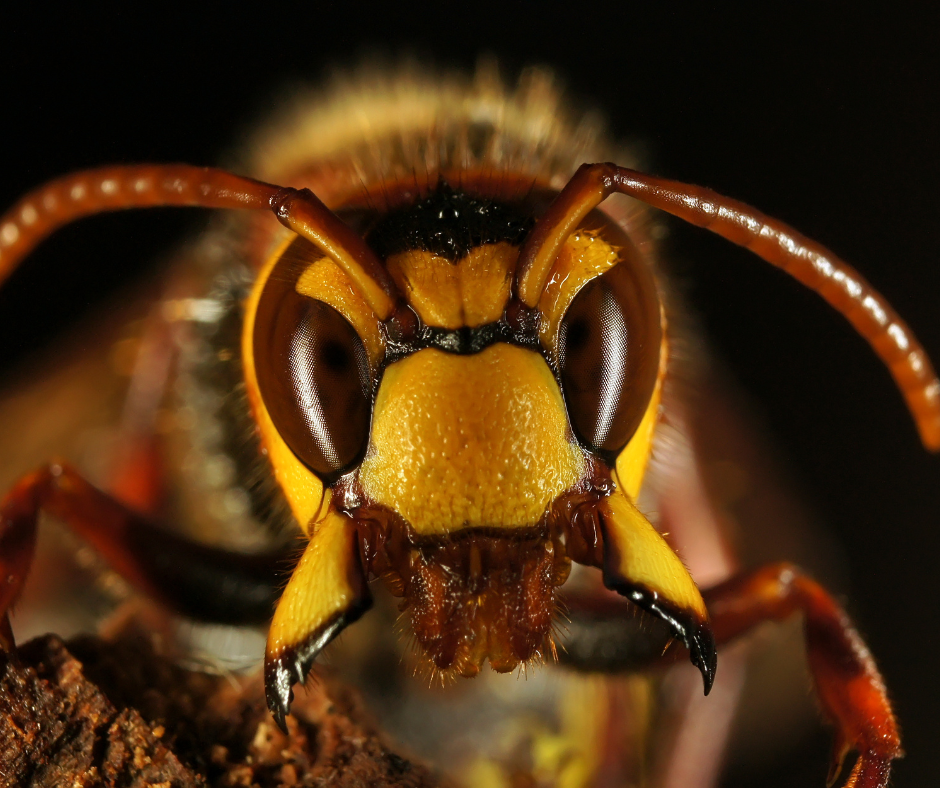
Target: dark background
(827, 120)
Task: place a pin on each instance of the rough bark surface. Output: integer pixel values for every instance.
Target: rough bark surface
(96, 713)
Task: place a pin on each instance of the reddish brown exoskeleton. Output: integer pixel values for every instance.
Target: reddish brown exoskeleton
(448, 368)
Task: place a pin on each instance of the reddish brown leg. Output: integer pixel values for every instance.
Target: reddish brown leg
(17, 545)
(139, 479)
(198, 581)
(138, 476)
(849, 686)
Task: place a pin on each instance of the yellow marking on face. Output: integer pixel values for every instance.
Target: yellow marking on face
(583, 257)
(644, 557)
(325, 281)
(470, 441)
(634, 459)
(326, 583)
(471, 292)
(302, 488)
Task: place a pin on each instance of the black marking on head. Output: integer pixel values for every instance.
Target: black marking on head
(448, 223)
(463, 341)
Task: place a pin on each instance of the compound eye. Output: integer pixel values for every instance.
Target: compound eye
(608, 356)
(313, 373)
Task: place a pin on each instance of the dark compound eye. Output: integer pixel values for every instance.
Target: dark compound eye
(608, 356)
(313, 373)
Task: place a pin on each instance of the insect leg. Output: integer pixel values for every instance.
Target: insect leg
(607, 636)
(848, 683)
(138, 474)
(196, 580)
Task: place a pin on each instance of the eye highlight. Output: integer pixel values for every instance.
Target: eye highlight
(313, 372)
(608, 356)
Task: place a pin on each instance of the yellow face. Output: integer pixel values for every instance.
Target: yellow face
(467, 448)
(448, 433)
